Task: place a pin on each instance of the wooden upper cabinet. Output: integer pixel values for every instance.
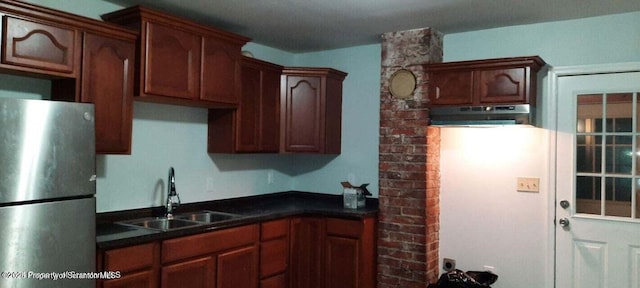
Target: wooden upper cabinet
(107, 81)
(220, 56)
(87, 61)
(255, 126)
(502, 85)
(311, 110)
(171, 62)
(258, 118)
(451, 88)
(182, 62)
(40, 46)
(484, 82)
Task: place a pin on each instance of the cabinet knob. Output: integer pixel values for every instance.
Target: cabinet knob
(437, 92)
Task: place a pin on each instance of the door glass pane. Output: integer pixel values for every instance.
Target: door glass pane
(607, 145)
(618, 197)
(589, 154)
(619, 112)
(588, 195)
(618, 156)
(590, 113)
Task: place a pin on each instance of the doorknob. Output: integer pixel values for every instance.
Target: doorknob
(564, 204)
(564, 222)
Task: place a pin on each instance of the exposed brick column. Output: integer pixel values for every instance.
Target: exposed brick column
(409, 166)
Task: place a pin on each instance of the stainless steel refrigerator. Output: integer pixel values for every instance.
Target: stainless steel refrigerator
(47, 193)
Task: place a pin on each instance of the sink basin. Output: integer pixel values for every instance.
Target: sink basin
(163, 224)
(206, 216)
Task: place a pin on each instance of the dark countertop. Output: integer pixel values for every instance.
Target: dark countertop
(252, 209)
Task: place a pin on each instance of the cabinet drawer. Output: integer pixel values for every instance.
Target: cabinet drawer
(130, 258)
(144, 279)
(208, 243)
(344, 228)
(274, 229)
(274, 257)
(37, 45)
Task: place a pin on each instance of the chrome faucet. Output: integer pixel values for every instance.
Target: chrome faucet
(173, 199)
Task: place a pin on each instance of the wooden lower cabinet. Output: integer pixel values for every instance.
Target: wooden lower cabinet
(199, 272)
(349, 257)
(307, 238)
(333, 252)
(138, 266)
(144, 279)
(322, 252)
(274, 254)
(238, 268)
(222, 259)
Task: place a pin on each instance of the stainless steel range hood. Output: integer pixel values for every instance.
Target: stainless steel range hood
(495, 115)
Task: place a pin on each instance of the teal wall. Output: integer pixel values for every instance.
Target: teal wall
(166, 135)
(606, 39)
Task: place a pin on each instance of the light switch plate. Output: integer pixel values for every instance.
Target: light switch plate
(528, 184)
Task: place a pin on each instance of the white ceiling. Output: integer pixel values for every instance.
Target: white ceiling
(312, 25)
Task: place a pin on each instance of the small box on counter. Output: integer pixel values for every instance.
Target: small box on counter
(354, 197)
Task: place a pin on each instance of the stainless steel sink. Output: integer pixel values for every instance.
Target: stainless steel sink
(163, 224)
(206, 216)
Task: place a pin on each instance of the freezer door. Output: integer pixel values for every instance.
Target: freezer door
(53, 238)
(47, 150)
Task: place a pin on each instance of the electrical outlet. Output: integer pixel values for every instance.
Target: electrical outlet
(528, 184)
(448, 264)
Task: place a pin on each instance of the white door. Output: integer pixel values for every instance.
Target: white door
(598, 181)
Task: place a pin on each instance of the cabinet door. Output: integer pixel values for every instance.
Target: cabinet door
(270, 111)
(238, 268)
(198, 273)
(307, 242)
(107, 81)
(43, 46)
(341, 262)
(248, 113)
(501, 85)
(172, 64)
(303, 114)
(220, 71)
(258, 113)
(451, 88)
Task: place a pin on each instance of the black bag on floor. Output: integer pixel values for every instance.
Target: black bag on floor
(472, 279)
